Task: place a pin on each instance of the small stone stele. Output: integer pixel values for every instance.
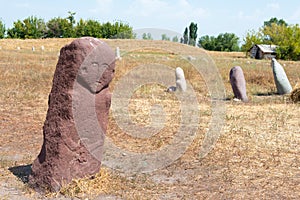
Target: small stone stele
(281, 80)
(238, 83)
(180, 80)
(64, 155)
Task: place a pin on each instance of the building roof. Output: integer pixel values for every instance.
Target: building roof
(267, 48)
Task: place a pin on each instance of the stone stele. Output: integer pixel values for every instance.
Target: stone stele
(281, 81)
(238, 83)
(77, 115)
(180, 80)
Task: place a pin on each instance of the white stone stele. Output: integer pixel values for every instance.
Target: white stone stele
(281, 80)
(118, 55)
(180, 80)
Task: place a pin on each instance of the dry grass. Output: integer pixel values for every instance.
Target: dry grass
(295, 94)
(257, 156)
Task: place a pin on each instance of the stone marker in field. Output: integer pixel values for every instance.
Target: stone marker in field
(180, 80)
(238, 83)
(281, 81)
(118, 54)
(78, 108)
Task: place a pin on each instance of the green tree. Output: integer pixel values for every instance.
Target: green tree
(88, 28)
(227, 42)
(288, 40)
(147, 36)
(31, 27)
(17, 31)
(185, 36)
(175, 39)
(223, 42)
(277, 32)
(71, 17)
(251, 39)
(207, 42)
(274, 20)
(34, 27)
(2, 30)
(116, 30)
(165, 37)
(59, 28)
(192, 34)
(122, 31)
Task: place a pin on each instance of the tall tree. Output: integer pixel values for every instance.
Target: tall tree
(274, 20)
(122, 31)
(71, 17)
(147, 36)
(2, 30)
(88, 28)
(251, 39)
(31, 27)
(186, 36)
(59, 28)
(277, 32)
(207, 42)
(192, 34)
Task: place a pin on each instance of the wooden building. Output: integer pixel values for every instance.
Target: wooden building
(263, 51)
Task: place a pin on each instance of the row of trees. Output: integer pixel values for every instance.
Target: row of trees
(274, 31)
(190, 35)
(277, 32)
(223, 42)
(33, 28)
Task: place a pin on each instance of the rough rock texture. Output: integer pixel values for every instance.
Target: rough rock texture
(281, 81)
(83, 72)
(180, 80)
(238, 83)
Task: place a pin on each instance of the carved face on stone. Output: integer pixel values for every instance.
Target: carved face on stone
(97, 69)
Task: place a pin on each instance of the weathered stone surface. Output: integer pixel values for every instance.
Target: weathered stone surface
(80, 87)
(180, 80)
(238, 83)
(281, 81)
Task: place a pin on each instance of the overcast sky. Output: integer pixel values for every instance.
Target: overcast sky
(212, 16)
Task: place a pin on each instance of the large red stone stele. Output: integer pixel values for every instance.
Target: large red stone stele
(77, 115)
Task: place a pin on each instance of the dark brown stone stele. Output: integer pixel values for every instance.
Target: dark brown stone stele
(64, 156)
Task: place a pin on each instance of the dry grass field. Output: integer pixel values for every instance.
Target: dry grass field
(257, 155)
